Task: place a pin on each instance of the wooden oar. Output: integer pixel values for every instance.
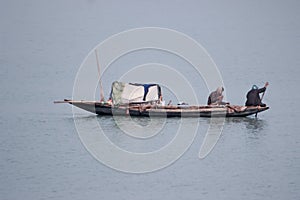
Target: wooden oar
(262, 96)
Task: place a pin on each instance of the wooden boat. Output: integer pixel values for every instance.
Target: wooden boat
(149, 110)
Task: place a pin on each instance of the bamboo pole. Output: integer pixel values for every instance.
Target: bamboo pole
(99, 73)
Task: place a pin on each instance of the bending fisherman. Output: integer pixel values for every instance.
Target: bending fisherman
(216, 97)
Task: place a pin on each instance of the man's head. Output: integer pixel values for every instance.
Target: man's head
(220, 90)
(254, 87)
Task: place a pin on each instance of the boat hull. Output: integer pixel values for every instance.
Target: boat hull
(167, 111)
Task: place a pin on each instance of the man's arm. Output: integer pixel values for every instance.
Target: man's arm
(264, 88)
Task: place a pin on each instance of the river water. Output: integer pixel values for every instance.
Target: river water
(43, 44)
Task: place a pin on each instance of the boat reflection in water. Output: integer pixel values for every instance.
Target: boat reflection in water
(253, 126)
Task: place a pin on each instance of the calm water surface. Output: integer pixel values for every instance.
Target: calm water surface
(42, 47)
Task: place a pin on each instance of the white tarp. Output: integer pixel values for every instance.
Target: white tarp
(123, 93)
